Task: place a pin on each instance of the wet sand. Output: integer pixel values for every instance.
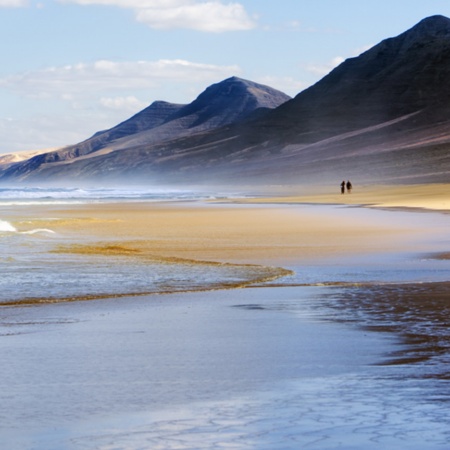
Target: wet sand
(267, 233)
(258, 368)
(430, 196)
(197, 370)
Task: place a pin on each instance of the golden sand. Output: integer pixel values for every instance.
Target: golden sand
(266, 234)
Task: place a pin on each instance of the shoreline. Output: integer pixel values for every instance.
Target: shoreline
(274, 236)
(244, 243)
(268, 366)
(427, 197)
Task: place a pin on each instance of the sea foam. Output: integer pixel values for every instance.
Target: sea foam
(51, 195)
(7, 227)
(38, 230)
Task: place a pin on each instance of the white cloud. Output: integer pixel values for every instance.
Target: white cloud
(362, 49)
(13, 3)
(324, 69)
(209, 16)
(87, 80)
(288, 85)
(41, 131)
(69, 103)
(134, 4)
(129, 103)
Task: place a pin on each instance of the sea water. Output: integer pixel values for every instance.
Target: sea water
(66, 195)
(33, 271)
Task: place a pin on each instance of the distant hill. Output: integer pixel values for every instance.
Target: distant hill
(8, 159)
(229, 101)
(383, 116)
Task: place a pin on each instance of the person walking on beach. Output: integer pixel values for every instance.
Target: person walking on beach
(349, 187)
(343, 187)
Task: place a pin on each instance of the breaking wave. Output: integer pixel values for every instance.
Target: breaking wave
(6, 227)
(38, 196)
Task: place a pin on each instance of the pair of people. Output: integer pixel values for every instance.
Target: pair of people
(347, 185)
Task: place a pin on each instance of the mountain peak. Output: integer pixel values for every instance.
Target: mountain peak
(433, 30)
(236, 86)
(433, 25)
(231, 100)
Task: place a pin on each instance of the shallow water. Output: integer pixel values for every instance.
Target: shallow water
(41, 266)
(427, 235)
(282, 367)
(34, 270)
(244, 369)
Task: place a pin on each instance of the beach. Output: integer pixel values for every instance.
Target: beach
(295, 321)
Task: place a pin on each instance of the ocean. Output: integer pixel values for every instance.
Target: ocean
(10, 196)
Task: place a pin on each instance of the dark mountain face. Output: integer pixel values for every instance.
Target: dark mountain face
(396, 77)
(382, 116)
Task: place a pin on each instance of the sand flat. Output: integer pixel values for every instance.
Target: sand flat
(249, 233)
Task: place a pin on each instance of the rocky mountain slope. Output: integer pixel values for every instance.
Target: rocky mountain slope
(383, 116)
(7, 159)
(229, 101)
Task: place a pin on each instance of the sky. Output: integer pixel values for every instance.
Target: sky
(71, 68)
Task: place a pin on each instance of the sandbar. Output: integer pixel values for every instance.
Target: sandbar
(262, 231)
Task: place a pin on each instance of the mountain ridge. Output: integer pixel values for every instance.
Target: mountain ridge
(223, 103)
(381, 116)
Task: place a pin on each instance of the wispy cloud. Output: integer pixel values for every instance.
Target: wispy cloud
(13, 3)
(99, 95)
(128, 103)
(324, 69)
(208, 16)
(288, 85)
(87, 80)
(43, 131)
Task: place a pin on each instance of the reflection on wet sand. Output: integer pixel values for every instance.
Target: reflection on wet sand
(417, 312)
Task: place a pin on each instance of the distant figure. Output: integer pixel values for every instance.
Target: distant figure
(349, 187)
(343, 187)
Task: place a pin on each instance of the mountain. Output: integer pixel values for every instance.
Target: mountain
(383, 116)
(229, 101)
(396, 77)
(8, 159)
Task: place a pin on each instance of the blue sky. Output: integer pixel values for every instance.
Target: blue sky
(73, 67)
